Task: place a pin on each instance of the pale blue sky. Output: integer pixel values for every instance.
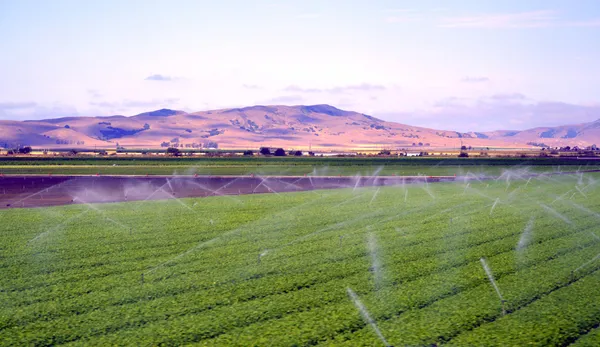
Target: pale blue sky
(465, 65)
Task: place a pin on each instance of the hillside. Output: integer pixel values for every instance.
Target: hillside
(319, 126)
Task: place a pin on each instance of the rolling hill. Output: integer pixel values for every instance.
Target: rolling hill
(319, 126)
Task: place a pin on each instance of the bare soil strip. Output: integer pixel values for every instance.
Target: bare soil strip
(38, 191)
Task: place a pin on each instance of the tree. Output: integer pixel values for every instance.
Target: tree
(463, 148)
(264, 151)
(25, 150)
(279, 152)
(67, 126)
(463, 155)
(173, 151)
(298, 153)
(248, 153)
(146, 126)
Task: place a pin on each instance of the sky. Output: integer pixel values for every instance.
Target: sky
(468, 65)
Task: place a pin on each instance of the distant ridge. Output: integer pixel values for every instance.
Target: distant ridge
(299, 126)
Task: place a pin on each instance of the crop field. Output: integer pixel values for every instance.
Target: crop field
(505, 262)
(292, 166)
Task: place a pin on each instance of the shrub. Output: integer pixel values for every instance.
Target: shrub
(25, 150)
(265, 151)
(173, 151)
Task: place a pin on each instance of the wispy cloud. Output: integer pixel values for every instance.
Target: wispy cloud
(400, 10)
(17, 105)
(150, 103)
(104, 104)
(508, 97)
(251, 86)
(531, 19)
(362, 87)
(586, 23)
(407, 18)
(158, 77)
(338, 89)
(34, 111)
(480, 79)
(128, 103)
(286, 99)
(297, 89)
(94, 93)
(496, 112)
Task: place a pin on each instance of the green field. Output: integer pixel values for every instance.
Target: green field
(286, 166)
(277, 269)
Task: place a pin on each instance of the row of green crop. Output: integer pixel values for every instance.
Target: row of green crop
(431, 313)
(591, 338)
(279, 170)
(411, 269)
(120, 260)
(566, 313)
(168, 302)
(286, 161)
(119, 241)
(327, 304)
(290, 276)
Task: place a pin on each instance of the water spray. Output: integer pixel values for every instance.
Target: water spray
(490, 276)
(587, 263)
(580, 191)
(375, 263)
(494, 205)
(556, 214)
(374, 196)
(526, 236)
(366, 316)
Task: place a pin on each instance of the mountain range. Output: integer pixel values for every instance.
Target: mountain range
(316, 126)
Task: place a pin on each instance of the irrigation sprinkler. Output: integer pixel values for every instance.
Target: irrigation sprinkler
(366, 316)
(490, 276)
(494, 205)
(572, 276)
(142, 279)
